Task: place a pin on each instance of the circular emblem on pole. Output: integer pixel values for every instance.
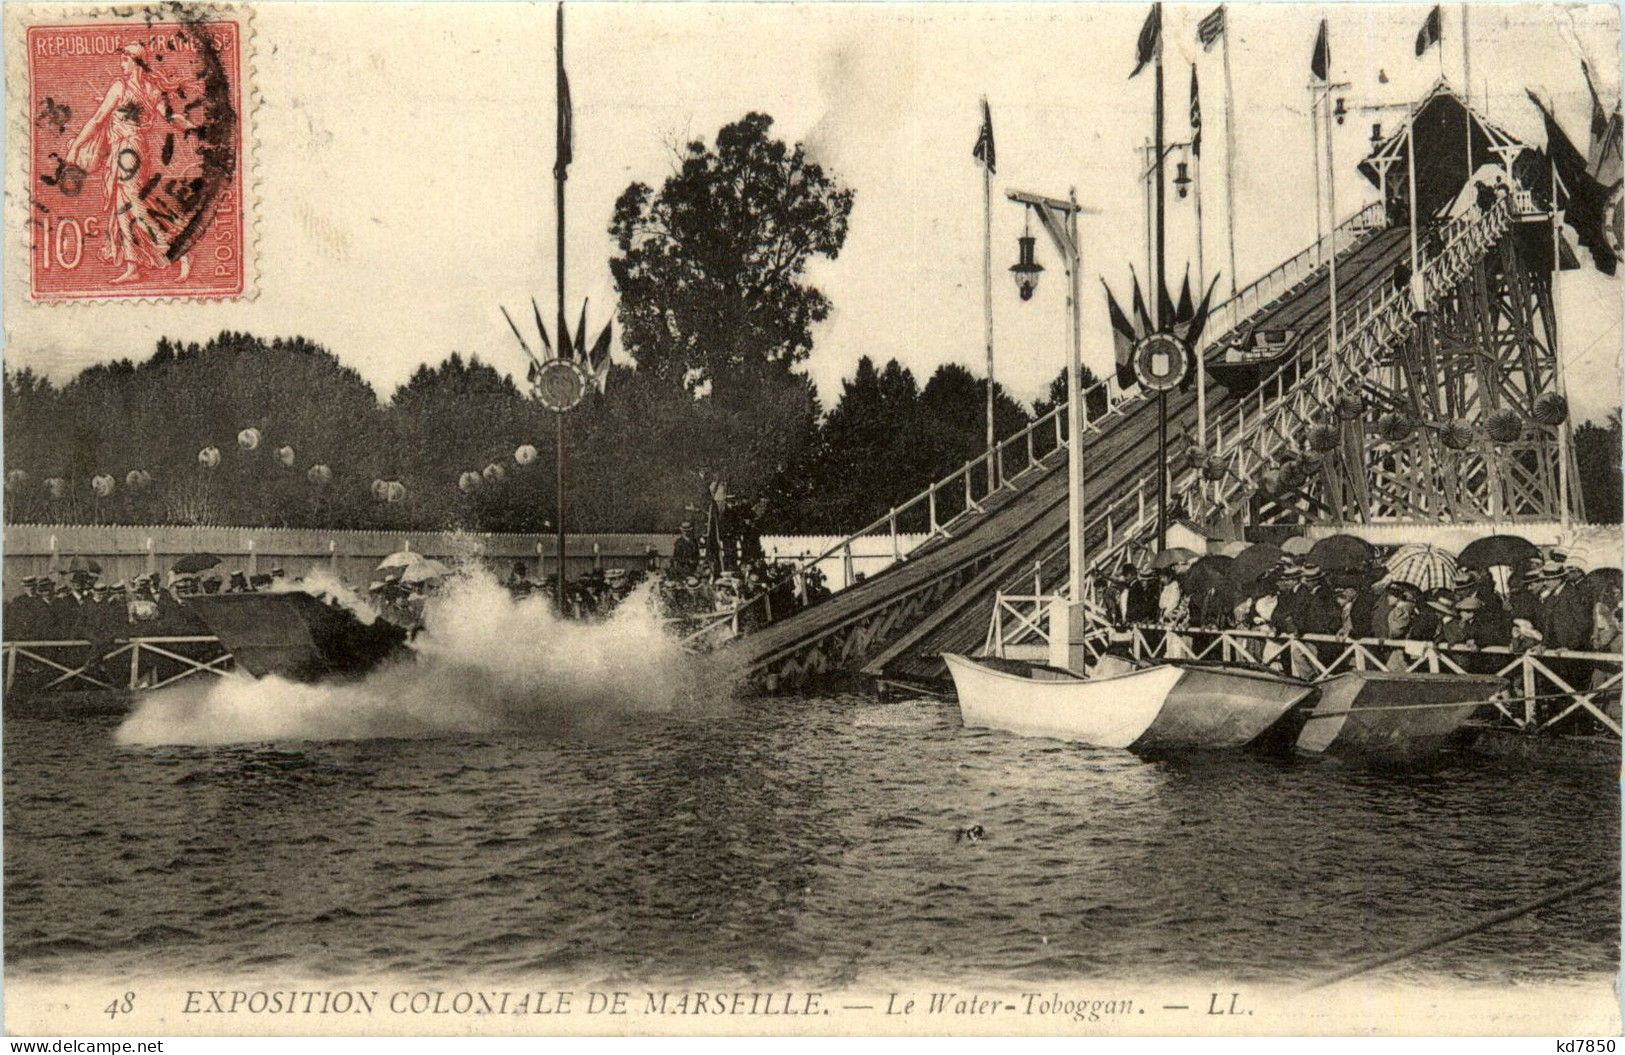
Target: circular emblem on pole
(560, 385)
(1161, 361)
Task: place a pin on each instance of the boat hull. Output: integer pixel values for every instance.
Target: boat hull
(1219, 708)
(1354, 717)
(1160, 709)
(297, 636)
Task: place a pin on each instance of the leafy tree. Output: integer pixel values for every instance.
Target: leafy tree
(1597, 449)
(1094, 399)
(715, 307)
(711, 268)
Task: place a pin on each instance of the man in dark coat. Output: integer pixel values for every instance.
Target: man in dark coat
(1144, 595)
(685, 551)
(1290, 597)
(1469, 629)
(1566, 616)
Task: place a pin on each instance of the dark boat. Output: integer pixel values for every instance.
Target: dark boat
(1393, 718)
(297, 636)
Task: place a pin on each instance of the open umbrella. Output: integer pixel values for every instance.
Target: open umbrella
(1602, 583)
(401, 559)
(84, 564)
(1171, 557)
(1423, 566)
(1297, 546)
(1508, 550)
(1254, 562)
(1341, 552)
(424, 570)
(193, 563)
(1233, 548)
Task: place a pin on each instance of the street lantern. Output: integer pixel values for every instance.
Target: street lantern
(1182, 178)
(1026, 270)
(1341, 110)
(1376, 134)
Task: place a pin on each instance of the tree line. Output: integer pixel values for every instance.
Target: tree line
(637, 456)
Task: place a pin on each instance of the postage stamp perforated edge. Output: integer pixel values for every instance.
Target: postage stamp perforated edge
(19, 19)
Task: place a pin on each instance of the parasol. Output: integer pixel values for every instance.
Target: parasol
(1254, 562)
(404, 558)
(1212, 590)
(84, 564)
(193, 563)
(424, 570)
(1234, 548)
(1508, 550)
(1172, 557)
(1341, 552)
(1423, 566)
(1297, 546)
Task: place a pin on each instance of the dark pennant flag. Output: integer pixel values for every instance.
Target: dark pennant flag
(1211, 28)
(1430, 31)
(1150, 40)
(1322, 57)
(566, 125)
(983, 151)
(1196, 116)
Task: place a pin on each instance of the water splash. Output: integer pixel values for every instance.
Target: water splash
(485, 663)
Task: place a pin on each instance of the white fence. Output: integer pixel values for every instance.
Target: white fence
(867, 554)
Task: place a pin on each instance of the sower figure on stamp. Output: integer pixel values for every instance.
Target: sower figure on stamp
(125, 138)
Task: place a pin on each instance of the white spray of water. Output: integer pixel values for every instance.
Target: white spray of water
(328, 587)
(485, 663)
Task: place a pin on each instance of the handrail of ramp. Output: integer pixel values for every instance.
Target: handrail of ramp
(958, 490)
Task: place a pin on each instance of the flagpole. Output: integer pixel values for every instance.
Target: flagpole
(1557, 360)
(987, 306)
(1314, 152)
(1229, 155)
(559, 175)
(1331, 200)
(1161, 278)
(1201, 282)
(1466, 85)
(1418, 286)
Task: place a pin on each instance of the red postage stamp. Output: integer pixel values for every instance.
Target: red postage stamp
(136, 182)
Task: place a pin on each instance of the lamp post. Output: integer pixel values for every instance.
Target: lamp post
(1059, 218)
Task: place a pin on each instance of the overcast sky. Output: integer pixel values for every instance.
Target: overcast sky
(404, 155)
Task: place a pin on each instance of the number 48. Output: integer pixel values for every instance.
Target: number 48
(121, 1007)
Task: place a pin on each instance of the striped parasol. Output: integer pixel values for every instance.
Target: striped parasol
(1423, 566)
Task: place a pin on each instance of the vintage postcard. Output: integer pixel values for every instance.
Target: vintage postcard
(812, 519)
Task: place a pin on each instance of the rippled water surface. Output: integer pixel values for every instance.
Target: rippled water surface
(811, 840)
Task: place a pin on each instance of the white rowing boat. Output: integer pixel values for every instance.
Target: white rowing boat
(1165, 708)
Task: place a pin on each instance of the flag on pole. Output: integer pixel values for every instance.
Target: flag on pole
(1123, 338)
(1587, 199)
(1211, 28)
(1322, 58)
(541, 329)
(1141, 315)
(1599, 116)
(598, 359)
(983, 151)
(1150, 43)
(1430, 32)
(566, 123)
(1196, 116)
